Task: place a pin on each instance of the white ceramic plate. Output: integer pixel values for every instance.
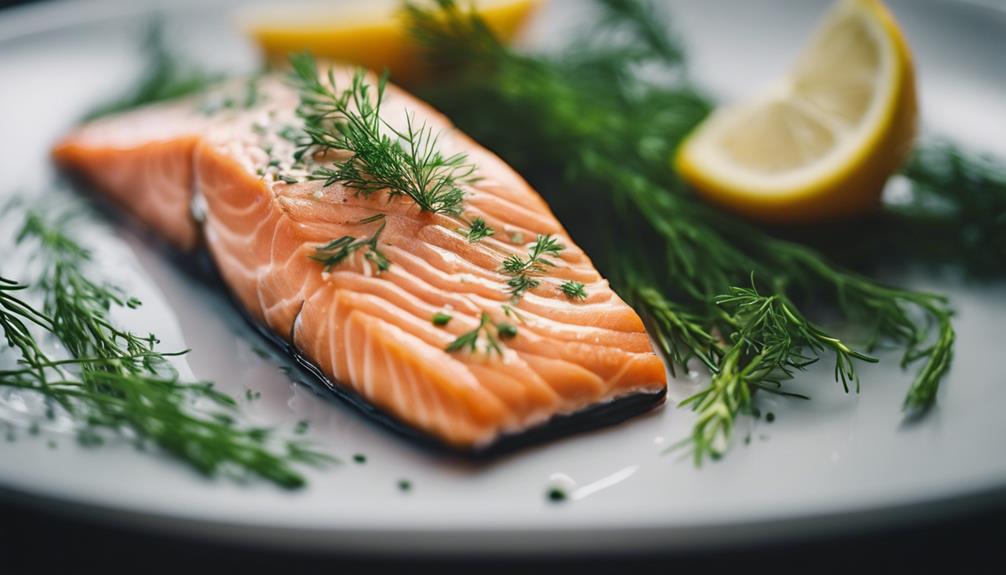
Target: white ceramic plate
(838, 461)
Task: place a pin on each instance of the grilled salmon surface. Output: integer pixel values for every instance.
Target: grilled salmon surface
(217, 172)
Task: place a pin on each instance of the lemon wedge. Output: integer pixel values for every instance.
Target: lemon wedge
(373, 34)
(820, 143)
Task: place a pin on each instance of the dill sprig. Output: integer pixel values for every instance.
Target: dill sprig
(964, 195)
(573, 290)
(947, 208)
(477, 230)
(684, 265)
(488, 331)
(955, 211)
(117, 381)
(523, 270)
(338, 250)
(770, 341)
(680, 334)
(381, 158)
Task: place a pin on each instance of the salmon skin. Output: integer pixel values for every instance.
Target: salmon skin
(217, 173)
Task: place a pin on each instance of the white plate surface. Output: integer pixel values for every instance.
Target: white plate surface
(838, 461)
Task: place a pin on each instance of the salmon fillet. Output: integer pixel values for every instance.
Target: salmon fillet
(216, 172)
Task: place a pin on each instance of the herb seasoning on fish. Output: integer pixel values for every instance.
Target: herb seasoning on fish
(573, 290)
(490, 331)
(478, 230)
(350, 121)
(369, 334)
(335, 251)
(408, 165)
(522, 270)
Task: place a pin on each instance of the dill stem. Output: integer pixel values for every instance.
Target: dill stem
(117, 381)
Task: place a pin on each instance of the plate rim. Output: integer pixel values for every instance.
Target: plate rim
(591, 539)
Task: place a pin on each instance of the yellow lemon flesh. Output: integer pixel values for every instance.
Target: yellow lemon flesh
(373, 34)
(821, 142)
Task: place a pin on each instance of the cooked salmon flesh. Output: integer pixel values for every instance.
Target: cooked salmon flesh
(218, 172)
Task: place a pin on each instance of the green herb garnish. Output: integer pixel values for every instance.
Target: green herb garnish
(371, 219)
(522, 271)
(253, 95)
(510, 311)
(407, 164)
(116, 381)
(250, 96)
(506, 330)
(770, 341)
(679, 261)
(336, 251)
(291, 134)
(573, 290)
(486, 330)
(441, 319)
(478, 230)
(556, 494)
(952, 212)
